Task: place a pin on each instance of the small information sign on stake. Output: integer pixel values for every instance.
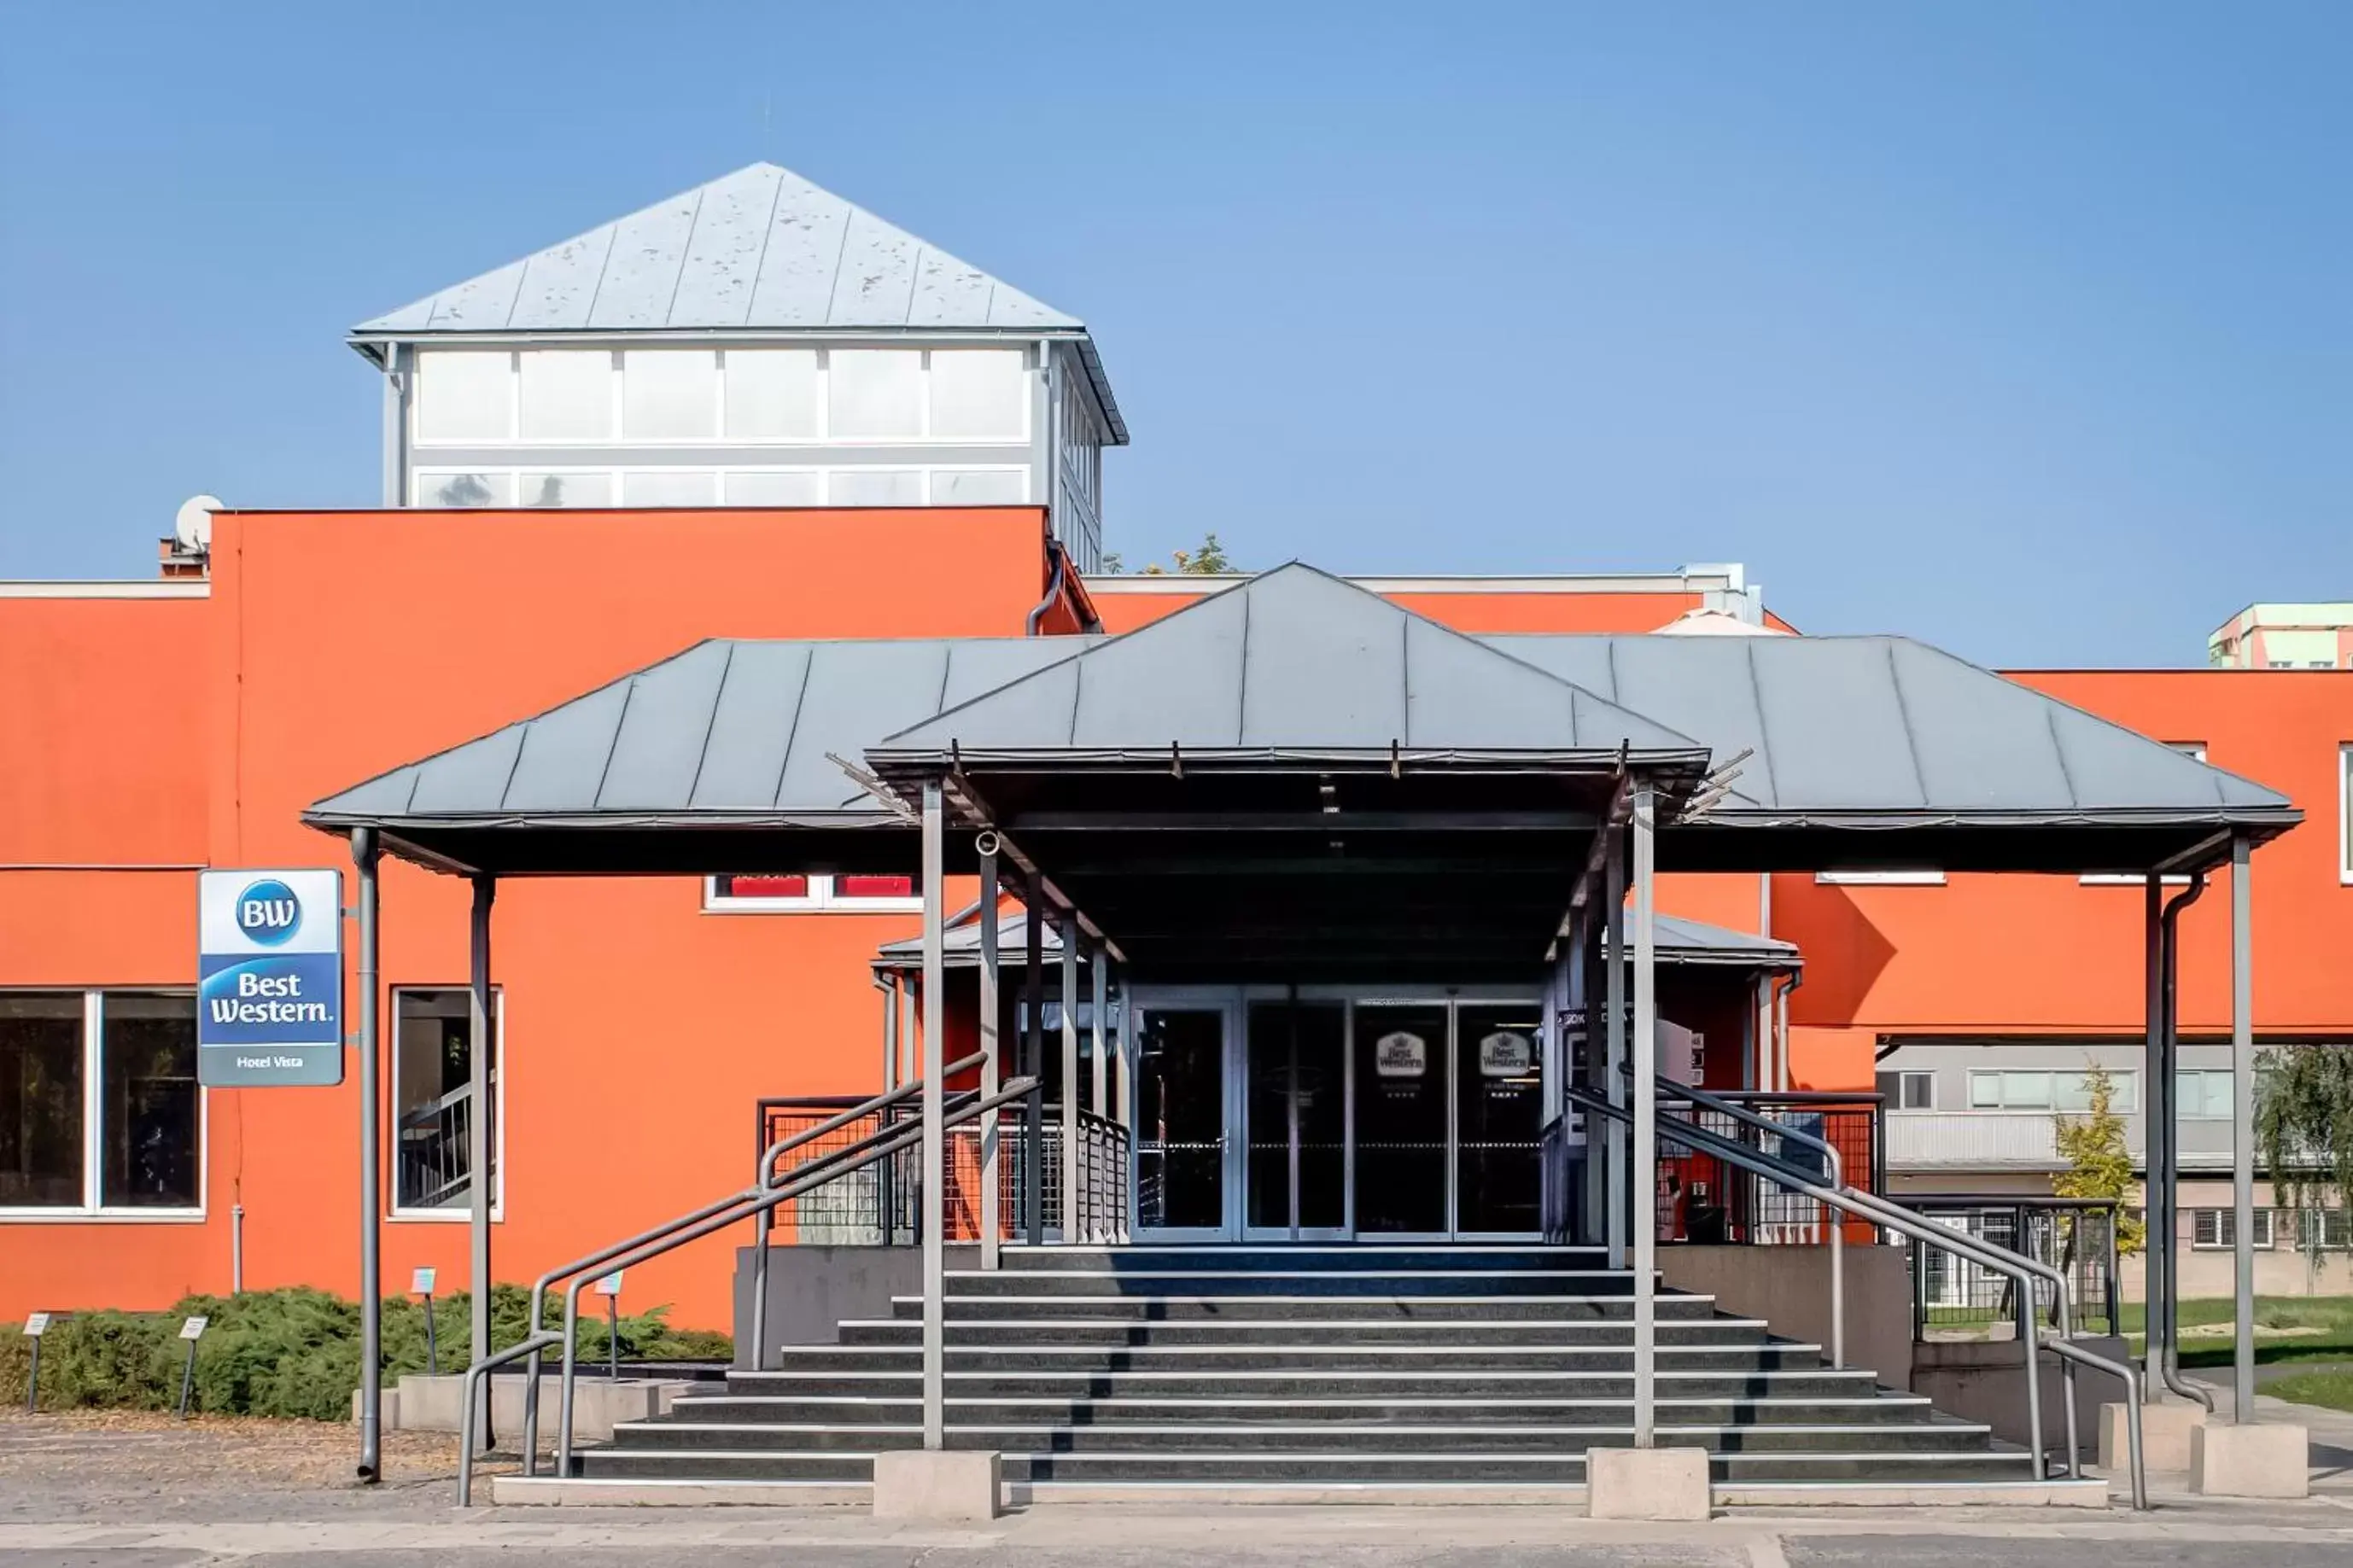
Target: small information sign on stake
(609, 1287)
(421, 1284)
(192, 1331)
(35, 1325)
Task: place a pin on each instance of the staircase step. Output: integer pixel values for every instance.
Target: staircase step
(1232, 1281)
(1369, 1257)
(1236, 1438)
(1283, 1383)
(1224, 1408)
(1338, 1308)
(1319, 1330)
(1277, 1355)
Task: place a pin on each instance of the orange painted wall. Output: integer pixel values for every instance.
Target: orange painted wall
(639, 1029)
(1468, 611)
(2049, 955)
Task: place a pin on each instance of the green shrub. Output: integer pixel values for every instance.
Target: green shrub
(296, 1352)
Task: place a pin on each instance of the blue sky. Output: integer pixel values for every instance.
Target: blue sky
(2024, 329)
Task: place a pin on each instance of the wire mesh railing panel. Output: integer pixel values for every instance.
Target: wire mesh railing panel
(1953, 1298)
(1704, 1200)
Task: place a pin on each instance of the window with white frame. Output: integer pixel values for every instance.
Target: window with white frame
(1907, 1091)
(874, 395)
(874, 487)
(2196, 749)
(592, 487)
(566, 395)
(2328, 1229)
(2030, 1089)
(440, 488)
(433, 1101)
(2204, 1094)
(669, 394)
(464, 395)
(1921, 878)
(773, 395)
(2214, 1228)
(978, 394)
(669, 487)
(2345, 807)
(99, 1107)
(979, 487)
(793, 890)
(773, 487)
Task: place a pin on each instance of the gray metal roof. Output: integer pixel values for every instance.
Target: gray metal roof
(1680, 940)
(761, 250)
(1857, 730)
(1295, 664)
(726, 732)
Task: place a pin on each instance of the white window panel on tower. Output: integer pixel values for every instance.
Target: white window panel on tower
(669, 487)
(979, 487)
(773, 395)
(567, 395)
(431, 488)
(783, 487)
(979, 394)
(669, 394)
(593, 488)
(464, 395)
(875, 487)
(875, 394)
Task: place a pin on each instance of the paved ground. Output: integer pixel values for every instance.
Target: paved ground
(145, 1492)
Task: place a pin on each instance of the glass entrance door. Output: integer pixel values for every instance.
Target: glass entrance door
(1296, 1076)
(1180, 1123)
(1399, 1052)
(1498, 1118)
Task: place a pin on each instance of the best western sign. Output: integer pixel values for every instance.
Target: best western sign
(270, 1005)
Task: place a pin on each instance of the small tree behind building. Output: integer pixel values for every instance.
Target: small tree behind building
(2304, 1131)
(1205, 562)
(2099, 1164)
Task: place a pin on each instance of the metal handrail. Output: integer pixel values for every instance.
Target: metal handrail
(1895, 1216)
(763, 1175)
(532, 1345)
(901, 1135)
(1838, 1179)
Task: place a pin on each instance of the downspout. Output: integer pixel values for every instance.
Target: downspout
(2168, 1192)
(1054, 583)
(1781, 1027)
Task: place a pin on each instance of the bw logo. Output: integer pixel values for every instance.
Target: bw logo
(267, 912)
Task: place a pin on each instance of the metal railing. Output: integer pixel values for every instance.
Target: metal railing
(1700, 1200)
(758, 1201)
(432, 1146)
(1881, 1213)
(2075, 1236)
(1102, 1219)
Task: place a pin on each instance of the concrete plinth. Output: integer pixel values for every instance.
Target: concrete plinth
(2164, 1435)
(936, 1483)
(2267, 1461)
(1646, 1483)
(427, 1402)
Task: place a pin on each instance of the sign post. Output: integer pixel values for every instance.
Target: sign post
(35, 1325)
(192, 1331)
(269, 1005)
(609, 1287)
(421, 1284)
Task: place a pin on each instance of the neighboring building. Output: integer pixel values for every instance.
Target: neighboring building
(756, 436)
(753, 342)
(2286, 637)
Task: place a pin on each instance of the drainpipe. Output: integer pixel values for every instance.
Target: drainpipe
(2168, 1183)
(1053, 588)
(1782, 1029)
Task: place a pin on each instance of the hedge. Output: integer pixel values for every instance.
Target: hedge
(292, 1353)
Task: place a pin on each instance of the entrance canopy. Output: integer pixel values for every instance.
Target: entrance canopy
(1295, 778)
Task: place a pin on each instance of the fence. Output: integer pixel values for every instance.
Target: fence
(1703, 1200)
(881, 1204)
(1954, 1298)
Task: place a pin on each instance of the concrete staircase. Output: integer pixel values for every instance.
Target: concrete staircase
(1303, 1369)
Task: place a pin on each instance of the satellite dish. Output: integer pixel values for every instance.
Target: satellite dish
(193, 524)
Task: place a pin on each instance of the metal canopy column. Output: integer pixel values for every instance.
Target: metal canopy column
(1100, 1088)
(933, 1217)
(481, 1019)
(365, 852)
(2243, 1127)
(1073, 1155)
(1033, 1062)
(1613, 984)
(891, 1031)
(2158, 1136)
(1646, 1115)
(991, 1069)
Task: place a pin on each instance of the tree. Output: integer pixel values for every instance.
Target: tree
(1207, 561)
(2304, 1131)
(2099, 1164)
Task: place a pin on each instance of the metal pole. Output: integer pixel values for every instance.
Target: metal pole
(32, 1379)
(1100, 1088)
(934, 1212)
(1033, 1062)
(1291, 1104)
(1072, 1157)
(2243, 1126)
(2158, 1131)
(890, 1032)
(1646, 1116)
(432, 1341)
(482, 1022)
(237, 1249)
(612, 1340)
(991, 1070)
(371, 1466)
(1613, 997)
